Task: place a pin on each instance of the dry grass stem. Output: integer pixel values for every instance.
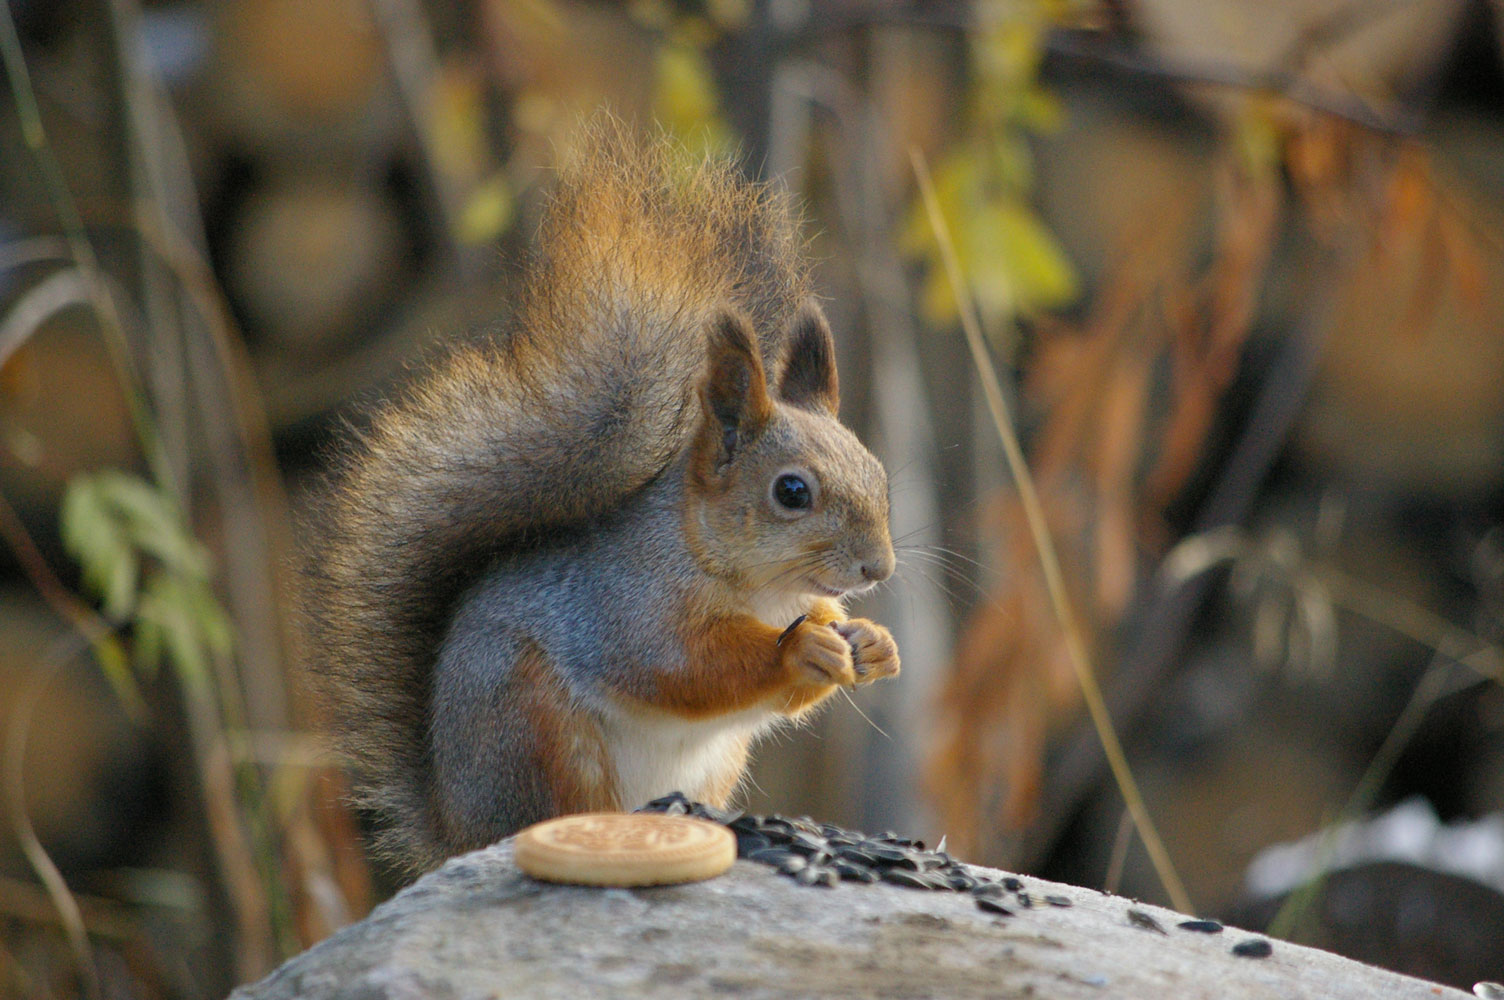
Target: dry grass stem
(1045, 549)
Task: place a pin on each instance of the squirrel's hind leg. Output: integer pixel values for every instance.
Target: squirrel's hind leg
(509, 746)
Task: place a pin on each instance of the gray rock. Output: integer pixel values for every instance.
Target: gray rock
(478, 927)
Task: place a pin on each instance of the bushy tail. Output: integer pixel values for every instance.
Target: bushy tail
(586, 397)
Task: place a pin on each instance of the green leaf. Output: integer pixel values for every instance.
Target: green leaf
(83, 522)
(146, 649)
(97, 541)
(118, 593)
(153, 523)
(166, 604)
(187, 656)
(209, 617)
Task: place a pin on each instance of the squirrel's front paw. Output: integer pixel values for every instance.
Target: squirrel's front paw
(874, 654)
(818, 655)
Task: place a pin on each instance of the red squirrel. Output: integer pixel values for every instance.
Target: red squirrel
(587, 562)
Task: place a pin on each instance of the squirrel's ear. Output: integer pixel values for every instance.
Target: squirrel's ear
(735, 392)
(809, 368)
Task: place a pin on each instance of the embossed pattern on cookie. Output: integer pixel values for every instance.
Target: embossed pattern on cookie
(625, 849)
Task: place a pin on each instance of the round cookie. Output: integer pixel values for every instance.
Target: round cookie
(625, 849)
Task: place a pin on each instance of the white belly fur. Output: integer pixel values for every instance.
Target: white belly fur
(656, 753)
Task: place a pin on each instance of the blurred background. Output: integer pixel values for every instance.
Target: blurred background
(1240, 269)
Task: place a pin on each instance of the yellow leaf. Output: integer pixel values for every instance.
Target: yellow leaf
(985, 260)
(1257, 139)
(1008, 51)
(487, 211)
(457, 113)
(1014, 160)
(1040, 110)
(685, 101)
(1043, 276)
(936, 300)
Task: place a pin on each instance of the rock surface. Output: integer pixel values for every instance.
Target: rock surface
(478, 927)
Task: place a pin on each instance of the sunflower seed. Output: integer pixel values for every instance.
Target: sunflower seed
(725, 817)
(1253, 948)
(901, 876)
(747, 823)
(810, 874)
(806, 844)
(1139, 918)
(853, 872)
(895, 857)
(793, 864)
(856, 855)
(1200, 926)
(747, 843)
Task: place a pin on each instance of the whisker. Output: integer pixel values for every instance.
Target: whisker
(955, 600)
(945, 563)
(852, 702)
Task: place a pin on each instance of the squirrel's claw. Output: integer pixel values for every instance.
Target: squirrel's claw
(874, 654)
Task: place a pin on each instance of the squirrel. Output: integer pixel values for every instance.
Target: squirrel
(585, 562)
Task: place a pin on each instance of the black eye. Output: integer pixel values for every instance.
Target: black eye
(792, 492)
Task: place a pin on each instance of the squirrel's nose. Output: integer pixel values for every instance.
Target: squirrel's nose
(878, 569)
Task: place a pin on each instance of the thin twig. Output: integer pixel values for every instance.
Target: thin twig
(112, 324)
(1414, 622)
(1431, 686)
(203, 363)
(24, 981)
(1404, 123)
(60, 290)
(106, 918)
(414, 59)
(1044, 546)
(18, 730)
(32, 250)
(90, 624)
(1119, 857)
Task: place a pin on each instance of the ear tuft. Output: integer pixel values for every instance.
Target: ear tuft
(809, 367)
(735, 392)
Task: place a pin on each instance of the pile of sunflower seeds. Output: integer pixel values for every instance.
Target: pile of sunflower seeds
(821, 854)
